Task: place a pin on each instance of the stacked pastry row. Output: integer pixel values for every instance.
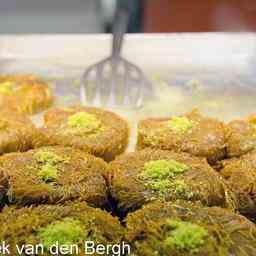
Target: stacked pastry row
(179, 193)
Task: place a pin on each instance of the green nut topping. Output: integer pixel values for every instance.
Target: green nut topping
(185, 236)
(161, 186)
(162, 169)
(159, 175)
(65, 232)
(6, 88)
(84, 122)
(48, 157)
(180, 124)
(48, 173)
(48, 162)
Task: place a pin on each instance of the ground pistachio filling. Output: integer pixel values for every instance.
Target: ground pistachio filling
(84, 123)
(66, 232)
(6, 88)
(180, 124)
(48, 173)
(161, 177)
(184, 236)
(49, 161)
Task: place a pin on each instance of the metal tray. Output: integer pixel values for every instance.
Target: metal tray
(214, 72)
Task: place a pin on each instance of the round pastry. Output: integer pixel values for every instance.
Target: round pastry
(241, 136)
(17, 132)
(24, 93)
(69, 226)
(54, 175)
(101, 133)
(191, 133)
(240, 174)
(184, 229)
(146, 175)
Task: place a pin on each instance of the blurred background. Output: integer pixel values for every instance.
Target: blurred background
(95, 16)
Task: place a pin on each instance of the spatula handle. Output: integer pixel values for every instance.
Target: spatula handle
(119, 29)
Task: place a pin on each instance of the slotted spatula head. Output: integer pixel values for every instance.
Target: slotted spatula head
(114, 81)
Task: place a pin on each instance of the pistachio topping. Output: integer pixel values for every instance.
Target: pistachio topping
(159, 176)
(161, 186)
(6, 88)
(48, 157)
(180, 124)
(48, 173)
(161, 169)
(66, 232)
(84, 122)
(185, 236)
(48, 162)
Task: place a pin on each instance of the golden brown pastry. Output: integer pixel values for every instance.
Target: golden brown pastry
(144, 176)
(191, 133)
(69, 224)
(24, 93)
(185, 229)
(17, 132)
(55, 175)
(241, 136)
(240, 174)
(93, 130)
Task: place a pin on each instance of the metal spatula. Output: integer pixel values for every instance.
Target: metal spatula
(114, 81)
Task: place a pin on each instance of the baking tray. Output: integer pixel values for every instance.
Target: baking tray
(214, 72)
